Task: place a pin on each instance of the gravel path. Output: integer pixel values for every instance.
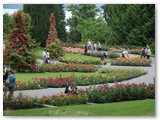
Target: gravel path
(148, 78)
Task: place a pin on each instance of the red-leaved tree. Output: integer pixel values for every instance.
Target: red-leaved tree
(20, 50)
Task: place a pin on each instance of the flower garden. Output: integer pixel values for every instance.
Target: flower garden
(99, 84)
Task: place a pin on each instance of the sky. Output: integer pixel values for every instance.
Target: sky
(11, 8)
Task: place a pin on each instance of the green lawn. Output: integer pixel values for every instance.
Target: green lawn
(24, 77)
(129, 108)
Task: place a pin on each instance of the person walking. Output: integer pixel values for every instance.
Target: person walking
(85, 49)
(44, 56)
(47, 57)
(148, 52)
(103, 56)
(5, 84)
(143, 55)
(12, 84)
(99, 46)
(89, 45)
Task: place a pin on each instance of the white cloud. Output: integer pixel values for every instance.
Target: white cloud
(9, 11)
(68, 15)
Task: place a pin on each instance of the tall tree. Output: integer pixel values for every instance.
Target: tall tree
(80, 12)
(40, 24)
(132, 24)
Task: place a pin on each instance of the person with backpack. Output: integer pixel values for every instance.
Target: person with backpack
(11, 84)
(103, 56)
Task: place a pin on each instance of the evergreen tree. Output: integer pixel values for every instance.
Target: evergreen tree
(40, 24)
(132, 24)
(19, 52)
(62, 34)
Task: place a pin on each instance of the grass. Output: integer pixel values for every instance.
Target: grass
(24, 77)
(129, 108)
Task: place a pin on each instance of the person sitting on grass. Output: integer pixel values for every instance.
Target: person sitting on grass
(67, 89)
(73, 90)
(103, 56)
(125, 54)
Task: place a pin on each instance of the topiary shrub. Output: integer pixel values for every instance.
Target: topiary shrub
(53, 44)
(20, 49)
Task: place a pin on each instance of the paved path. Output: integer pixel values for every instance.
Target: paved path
(148, 78)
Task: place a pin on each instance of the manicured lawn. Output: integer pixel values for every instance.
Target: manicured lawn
(129, 108)
(24, 77)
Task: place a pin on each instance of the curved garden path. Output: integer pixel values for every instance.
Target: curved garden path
(148, 78)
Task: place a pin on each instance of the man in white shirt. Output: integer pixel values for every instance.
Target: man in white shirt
(124, 54)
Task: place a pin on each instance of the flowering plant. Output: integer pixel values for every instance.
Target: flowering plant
(120, 92)
(109, 76)
(132, 61)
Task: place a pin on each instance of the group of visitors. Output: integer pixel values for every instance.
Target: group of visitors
(71, 89)
(9, 83)
(46, 56)
(92, 46)
(146, 52)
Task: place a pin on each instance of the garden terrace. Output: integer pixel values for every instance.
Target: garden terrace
(82, 80)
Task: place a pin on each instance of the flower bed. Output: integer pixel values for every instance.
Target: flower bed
(24, 102)
(109, 54)
(65, 68)
(61, 99)
(74, 50)
(132, 61)
(73, 45)
(82, 80)
(135, 51)
(20, 102)
(82, 60)
(120, 92)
